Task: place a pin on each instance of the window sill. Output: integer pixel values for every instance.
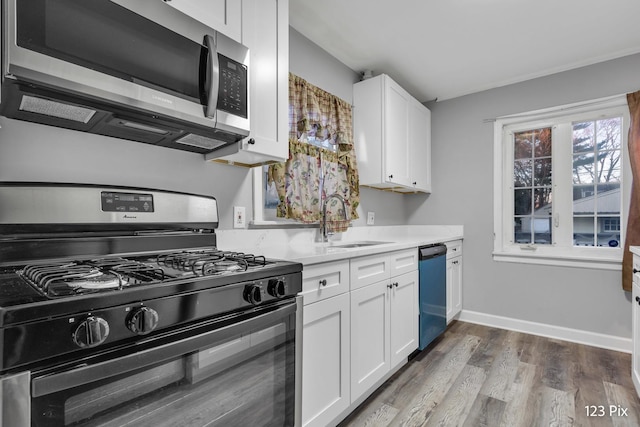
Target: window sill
(280, 224)
(611, 261)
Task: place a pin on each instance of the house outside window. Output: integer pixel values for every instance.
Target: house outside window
(560, 193)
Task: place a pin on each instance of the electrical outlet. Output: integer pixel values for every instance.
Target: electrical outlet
(371, 218)
(239, 219)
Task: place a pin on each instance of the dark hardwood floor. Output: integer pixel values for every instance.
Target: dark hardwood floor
(479, 376)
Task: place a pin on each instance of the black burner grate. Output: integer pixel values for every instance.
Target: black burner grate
(113, 273)
(210, 261)
(97, 275)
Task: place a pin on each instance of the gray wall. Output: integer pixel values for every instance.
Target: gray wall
(462, 164)
(33, 152)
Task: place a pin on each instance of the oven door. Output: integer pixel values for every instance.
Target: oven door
(238, 371)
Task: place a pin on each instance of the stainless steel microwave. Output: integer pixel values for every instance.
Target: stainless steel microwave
(131, 69)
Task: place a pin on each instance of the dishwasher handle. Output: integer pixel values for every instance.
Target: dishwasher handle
(432, 251)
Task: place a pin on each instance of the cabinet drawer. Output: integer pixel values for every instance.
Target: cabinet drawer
(454, 248)
(403, 261)
(369, 269)
(321, 281)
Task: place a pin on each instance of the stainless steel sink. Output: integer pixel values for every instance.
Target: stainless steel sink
(358, 244)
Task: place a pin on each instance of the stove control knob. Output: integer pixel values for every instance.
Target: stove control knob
(91, 332)
(142, 320)
(253, 294)
(277, 288)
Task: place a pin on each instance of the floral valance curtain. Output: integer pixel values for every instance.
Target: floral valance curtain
(633, 225)
(314, 172)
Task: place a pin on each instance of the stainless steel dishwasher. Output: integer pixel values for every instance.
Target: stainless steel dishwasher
(433, 292)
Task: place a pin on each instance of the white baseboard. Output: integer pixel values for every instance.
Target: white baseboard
(550, 331)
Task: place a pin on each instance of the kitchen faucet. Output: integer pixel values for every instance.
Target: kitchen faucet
(323, 224)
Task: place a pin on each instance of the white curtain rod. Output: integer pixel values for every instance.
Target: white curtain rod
(613, 100)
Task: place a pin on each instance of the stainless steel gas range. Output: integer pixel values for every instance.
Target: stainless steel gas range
(117, 308)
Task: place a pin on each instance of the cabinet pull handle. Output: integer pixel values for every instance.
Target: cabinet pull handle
(391, 176)
(395, 284)
(323, 282)
(638, 300)
(251, 141)
(415, 183)
(390, 286)
(635, 271)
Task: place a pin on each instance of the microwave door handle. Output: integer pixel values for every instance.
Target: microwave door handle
(213, 75)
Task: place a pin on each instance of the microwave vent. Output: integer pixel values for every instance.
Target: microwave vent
(146, 128)
(200, 141)
(50, 108)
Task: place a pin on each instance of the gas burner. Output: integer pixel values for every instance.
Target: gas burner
(63, 279)
(210, 261)
(137, 273)
(96, 275)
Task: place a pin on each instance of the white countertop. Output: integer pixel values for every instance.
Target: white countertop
(299, 244)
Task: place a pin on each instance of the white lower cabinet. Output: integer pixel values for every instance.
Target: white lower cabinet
(360, 322)
(454, 279)
(370, 344)
(635, 326)
(325, 343)
(403, 317)
(325, 360)
(384, 329)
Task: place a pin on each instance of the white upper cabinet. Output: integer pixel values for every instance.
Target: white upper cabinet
(420, 134)
(396, 110)
(392, 133)
(221, 15)
(265, 31)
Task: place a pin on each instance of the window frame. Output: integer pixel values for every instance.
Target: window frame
(561, 252)
(260, 220)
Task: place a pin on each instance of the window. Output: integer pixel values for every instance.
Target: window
(321, 164)
(560, 195)
(611, 224)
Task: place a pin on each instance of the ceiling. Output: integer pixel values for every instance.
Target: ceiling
(447, 48)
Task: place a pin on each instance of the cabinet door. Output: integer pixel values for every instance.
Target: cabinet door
(266, 34)
(420, 146)
(325, 360)
(370, 337)
(397, 160)
(221, 15)
(404, 316)
(265, 31)
(454, 287)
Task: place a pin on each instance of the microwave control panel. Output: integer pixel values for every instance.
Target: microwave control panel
(232, 95)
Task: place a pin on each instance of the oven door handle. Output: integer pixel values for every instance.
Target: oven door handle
(87, 374)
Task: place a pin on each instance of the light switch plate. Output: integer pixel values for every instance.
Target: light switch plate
(239, 219)
(371, 218)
